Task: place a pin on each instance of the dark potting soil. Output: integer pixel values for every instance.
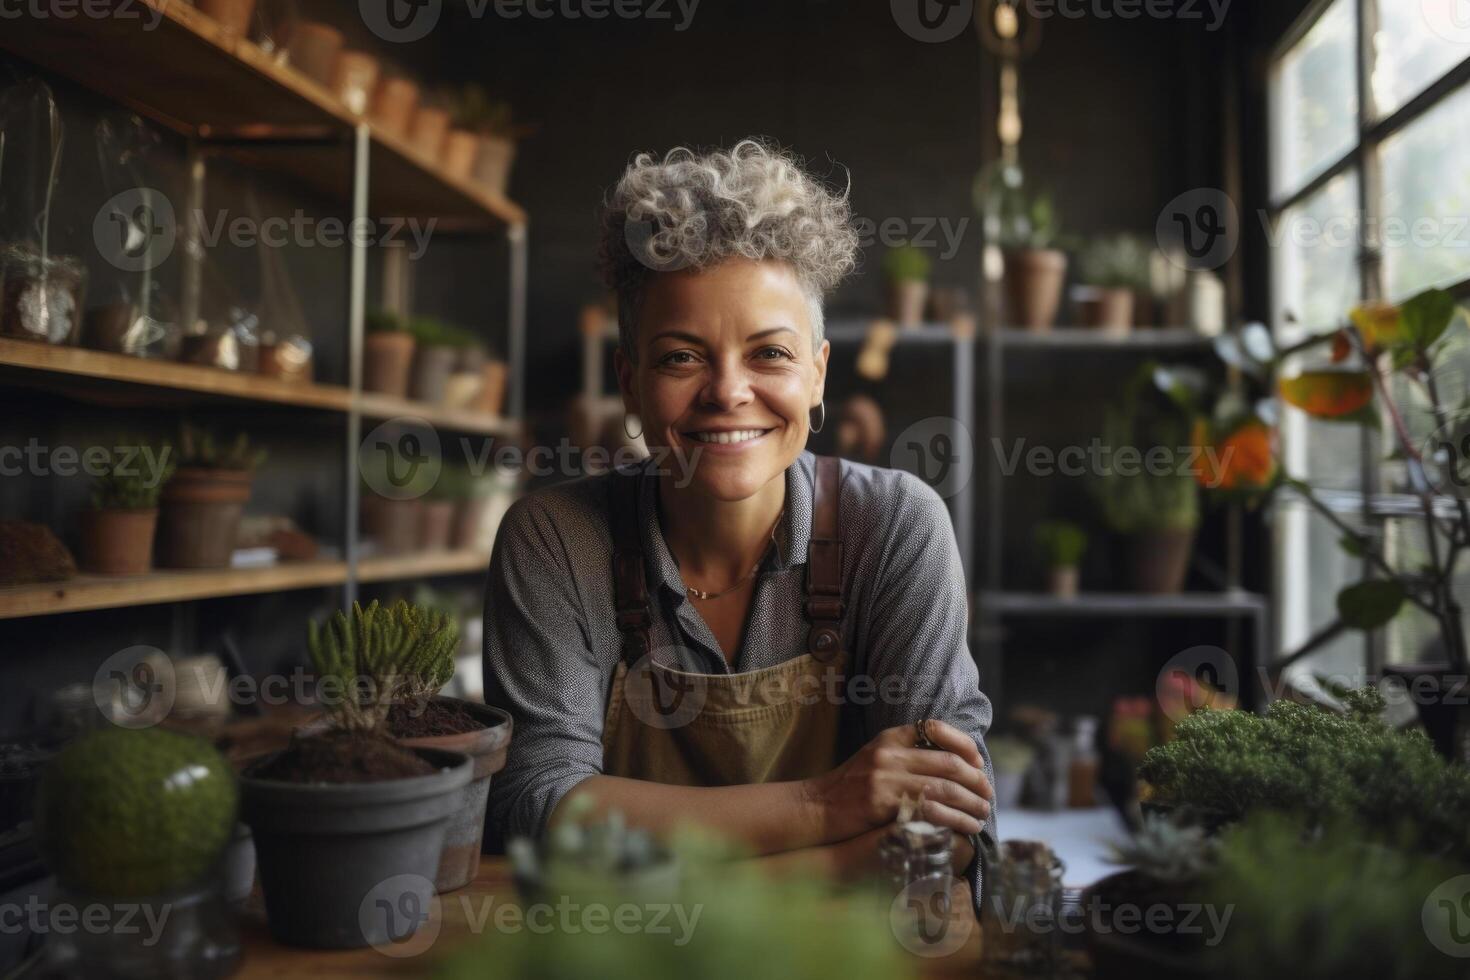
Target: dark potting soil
(344, 757)
(425, 719)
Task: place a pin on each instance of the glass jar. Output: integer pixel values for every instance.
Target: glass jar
(1023, 907)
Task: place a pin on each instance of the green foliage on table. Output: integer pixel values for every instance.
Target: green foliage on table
(738, 921)
(1308, 760)
(1115, 262)
(199, 448)
(135, 812)
(130, 481)
(907, 263)
(1062, 542)
(1168, 851)
(1321, 902)
(382, 655)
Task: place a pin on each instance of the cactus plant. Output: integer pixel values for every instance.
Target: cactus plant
(380, 656)
(199, 448)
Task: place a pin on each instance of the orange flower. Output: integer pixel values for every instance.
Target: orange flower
(1378, 323)
(1243, 460)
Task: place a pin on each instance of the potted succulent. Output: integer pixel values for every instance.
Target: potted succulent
(1062, 544)
(346, 816)
(430, 126)
(1112, 272)
(436, 520)
(391, 512)
(489, 120)
(117, 531)
(906, 271)
(203, 501)
(463, 388)
(140, 817)
(438, 347)
(387, 356)
(1024, 226)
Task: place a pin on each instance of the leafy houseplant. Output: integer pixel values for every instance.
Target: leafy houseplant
(346, 815)
(117, 531)
(387, 357)
(1114, 272)
(203, 501)
(906, 271)
(1025, 228)
(1384, 352)
(490, 120)
(439, 349)
(1063, 545)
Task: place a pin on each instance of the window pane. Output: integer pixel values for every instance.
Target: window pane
(1315, 260)
(1315, 106)
(1416, 43)
(1312, 568)
(1426, 200)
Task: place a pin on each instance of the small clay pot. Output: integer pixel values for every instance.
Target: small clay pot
(1160, 560)
(493, 162)
(436, 522)
(428, 130)
(393, 104)
(1107, 309)
(118, 542)
(287, 360)
(1062, 581)
(392, 524)
(313, 50)
(354, 77)
(1033, 287)
(387, 361)
(469, 517)
(233, 15)
(492, 393)
(431, 369)
(461, 148)
(462, 390)
(906, 299)
(200, 516)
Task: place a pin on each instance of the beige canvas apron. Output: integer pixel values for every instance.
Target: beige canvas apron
(780, 723)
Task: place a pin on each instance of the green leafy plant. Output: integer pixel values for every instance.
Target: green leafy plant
(382, 655)
(1015, 219)
(1116, 262)
(198, 448)
(907, 263)
(1061, 542)
(1308, 760)
(476, 111)
(386, 321)
(128, 485)
(431, 331)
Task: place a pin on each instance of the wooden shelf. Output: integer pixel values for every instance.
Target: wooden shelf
(1088, 338)
(175, 65)
(110, 592)
(390, 568)
(374, 406)
(1130, 604)
(80, 363)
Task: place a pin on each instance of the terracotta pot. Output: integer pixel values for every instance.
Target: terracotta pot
(1110, 310)
(118, 542)
(428, 130)
(285, 362)
(469, 518)
(313, 50)
(1033, 287)
(1160, 560)
(493, 162)
(387, 360)
(201, 517)
(461, 147)
(354, 77)
(431, 369)
(487, 747)
(1439, 693)
(1062, 581)
(233, 15)
(906, 299)
(393, 104)
(492, 393)
(436, 522)
(462, 390)
(392, 524)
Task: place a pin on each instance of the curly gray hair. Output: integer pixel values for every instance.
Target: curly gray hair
(695, 210)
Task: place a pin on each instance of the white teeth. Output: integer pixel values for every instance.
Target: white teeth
(739, 435)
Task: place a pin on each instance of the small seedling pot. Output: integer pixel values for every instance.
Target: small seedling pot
(387, 362)
(461, 147)
(431, 369)
(345, 865)
(428, 130)
(118, 542)
(436, 522)
(487, 746)
(1033, 287)
(392, 524)
(493, 162)
(906, 300)
(201, 516)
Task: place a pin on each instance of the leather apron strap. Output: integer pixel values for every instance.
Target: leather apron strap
(630, 583)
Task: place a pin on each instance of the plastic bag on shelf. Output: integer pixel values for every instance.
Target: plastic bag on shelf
(40, 292)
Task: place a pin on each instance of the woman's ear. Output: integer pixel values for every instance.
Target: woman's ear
(819, 387)
(623, 366)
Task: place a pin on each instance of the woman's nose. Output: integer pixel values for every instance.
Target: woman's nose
(728, 385)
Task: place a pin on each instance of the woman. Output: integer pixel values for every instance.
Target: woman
(735, 633)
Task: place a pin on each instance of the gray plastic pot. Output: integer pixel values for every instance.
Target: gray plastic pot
(327, 852)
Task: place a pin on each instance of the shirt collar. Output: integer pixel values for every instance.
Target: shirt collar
(793, 532)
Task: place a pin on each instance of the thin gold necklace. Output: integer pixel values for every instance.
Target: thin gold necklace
(700, 594)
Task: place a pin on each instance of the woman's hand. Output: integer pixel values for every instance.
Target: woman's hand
(863, 793)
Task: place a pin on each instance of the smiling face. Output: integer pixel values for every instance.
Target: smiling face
(726, 366)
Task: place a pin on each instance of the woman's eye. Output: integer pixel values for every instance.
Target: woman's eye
(678, 357)
(772, 353)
